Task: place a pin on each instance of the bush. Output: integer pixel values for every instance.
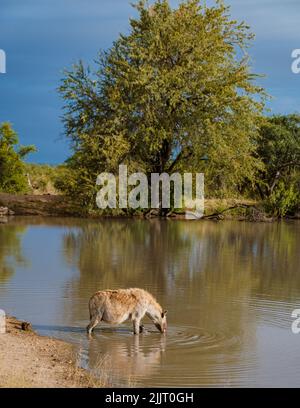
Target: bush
(284, 200)
(46, 179)
(12, 168)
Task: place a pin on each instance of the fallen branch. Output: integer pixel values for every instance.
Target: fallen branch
(218, 214)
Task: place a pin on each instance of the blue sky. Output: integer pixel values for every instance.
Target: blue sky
(42, 37)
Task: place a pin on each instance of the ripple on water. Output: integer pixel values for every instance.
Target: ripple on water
(273, 313)
(155, 358)
(177, 337)
(189, 337)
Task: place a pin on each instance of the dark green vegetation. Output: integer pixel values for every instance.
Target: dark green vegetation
(176, 89)
(12, 168)
(278, 183)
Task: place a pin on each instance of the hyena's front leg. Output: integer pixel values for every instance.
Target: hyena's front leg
(137, 328)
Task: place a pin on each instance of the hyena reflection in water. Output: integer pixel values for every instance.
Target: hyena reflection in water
(127, 360)
(117, 306)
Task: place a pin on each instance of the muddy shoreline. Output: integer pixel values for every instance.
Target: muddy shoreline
(48, 205)
(28, 360)
(37, 205)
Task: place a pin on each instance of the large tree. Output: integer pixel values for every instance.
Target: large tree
(177, 88)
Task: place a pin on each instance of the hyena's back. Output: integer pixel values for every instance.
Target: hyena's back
(116, 306)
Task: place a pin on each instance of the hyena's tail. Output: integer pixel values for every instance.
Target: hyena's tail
(90, 310)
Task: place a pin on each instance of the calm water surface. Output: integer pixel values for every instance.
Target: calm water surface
(229, 287)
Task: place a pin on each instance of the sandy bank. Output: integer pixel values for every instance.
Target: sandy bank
(31, 361)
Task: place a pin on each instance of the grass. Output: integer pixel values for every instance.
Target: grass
(43, 178)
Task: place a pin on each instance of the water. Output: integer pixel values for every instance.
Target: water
(229, 288)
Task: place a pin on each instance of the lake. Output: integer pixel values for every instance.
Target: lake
(230, 289)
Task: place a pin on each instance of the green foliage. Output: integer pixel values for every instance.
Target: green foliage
(46, 179)
(284, 200)
(176, 88)
(279, 149)
(12, 168)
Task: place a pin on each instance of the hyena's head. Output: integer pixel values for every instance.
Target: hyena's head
(161, 322)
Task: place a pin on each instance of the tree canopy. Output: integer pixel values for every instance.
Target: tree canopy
(177, 88)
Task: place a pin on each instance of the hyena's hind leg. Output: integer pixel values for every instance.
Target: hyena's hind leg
(93, 323)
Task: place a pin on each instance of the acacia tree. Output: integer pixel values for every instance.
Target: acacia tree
(12, 168)
(176, 88)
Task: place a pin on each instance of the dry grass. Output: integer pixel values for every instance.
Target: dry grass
(219, 205)
(17, 381)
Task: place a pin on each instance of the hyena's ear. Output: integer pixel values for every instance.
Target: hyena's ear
(164, 313)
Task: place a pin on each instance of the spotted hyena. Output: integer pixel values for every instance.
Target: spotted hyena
(117, 306)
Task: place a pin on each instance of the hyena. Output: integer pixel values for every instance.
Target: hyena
(117, 306)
